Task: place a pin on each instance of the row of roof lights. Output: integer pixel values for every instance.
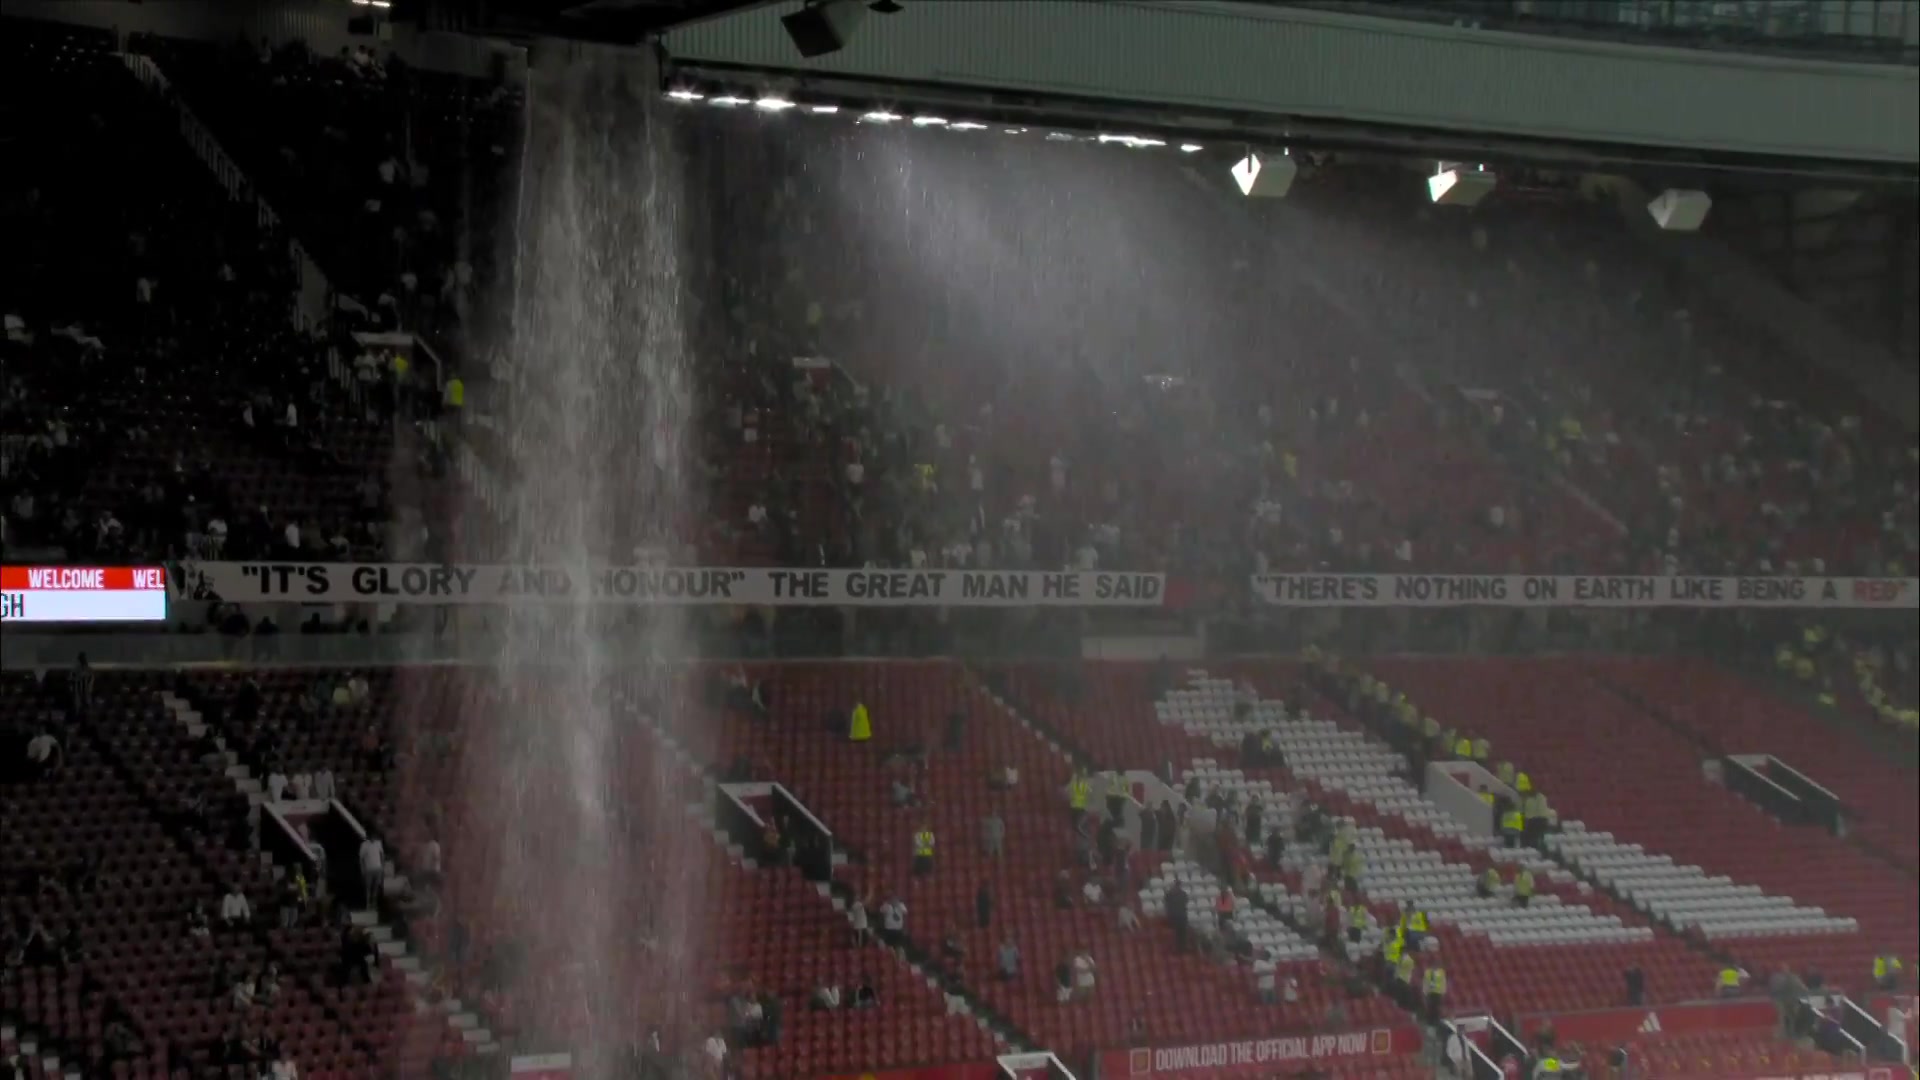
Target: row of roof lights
(773, 104)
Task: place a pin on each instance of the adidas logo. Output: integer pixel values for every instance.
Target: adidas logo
(1651, 1025)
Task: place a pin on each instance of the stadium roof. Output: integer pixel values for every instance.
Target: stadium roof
(622, 22)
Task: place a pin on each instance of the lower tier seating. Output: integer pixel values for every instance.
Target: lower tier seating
(1655, 827)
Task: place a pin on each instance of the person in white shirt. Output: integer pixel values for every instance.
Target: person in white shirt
(373, 868)
(1129, 919)
(43, 753)
(1083, 972)
(857, 915)
(323, 783)
(893, 922)
(357, 689)
(276, 785)
(716, 1054)
(1459, 1058)
(300, 785)
(234, 910)
(292, 536)
(1312, 879)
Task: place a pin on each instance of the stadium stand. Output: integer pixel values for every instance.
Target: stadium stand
(1685, 850)
(1579, 410)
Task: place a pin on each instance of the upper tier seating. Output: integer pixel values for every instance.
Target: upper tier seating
(395, 176)
(151, 354)
(1314, 434)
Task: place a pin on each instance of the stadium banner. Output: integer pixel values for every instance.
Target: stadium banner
(1619, 591)
(1620, 1025)
(1256, 1057)
(424, 583)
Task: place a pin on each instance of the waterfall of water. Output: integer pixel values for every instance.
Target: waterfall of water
(597, 410)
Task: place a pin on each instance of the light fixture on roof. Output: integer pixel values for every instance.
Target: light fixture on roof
(1137, 142)
(727, 101)
(1455, 184)
(1680, 209)
(823, 26)
(773, 104)
(879, 116)
(929, 121)
(823, 110)
(1265, 176)
(1190, 148)
(686, 95)
(966, 125)
(1013, 131)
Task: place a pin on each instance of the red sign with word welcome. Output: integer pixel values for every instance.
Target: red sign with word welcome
(1250, 1057)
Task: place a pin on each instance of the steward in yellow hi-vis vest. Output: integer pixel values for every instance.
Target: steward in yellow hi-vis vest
(1078, 789)
(1404, 979)
(1435, 983)
(859, 726)
(923, 851)
(1886, 972)
(1489, 883)
(1512, 824)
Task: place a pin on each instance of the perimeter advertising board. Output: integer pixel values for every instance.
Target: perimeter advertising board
(1257, 1057)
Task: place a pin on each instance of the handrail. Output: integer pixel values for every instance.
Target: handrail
(315, 289)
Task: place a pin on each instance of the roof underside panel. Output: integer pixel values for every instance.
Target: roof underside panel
(1282, 62)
